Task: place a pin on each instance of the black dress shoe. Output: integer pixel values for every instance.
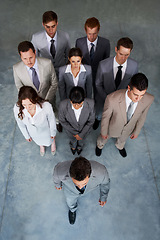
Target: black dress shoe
(72, 217)
(73, 151)
(96, 124)
(59, 127)
(79, 151)
(123, 152)
(98, 151)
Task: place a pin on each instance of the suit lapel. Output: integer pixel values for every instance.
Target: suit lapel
(86, 50)
(40, 69)
(122, 106)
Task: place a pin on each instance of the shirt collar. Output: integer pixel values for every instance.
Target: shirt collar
(49, 38)
(34, 66)
(95, 42)
(68, 69)
(117, 64)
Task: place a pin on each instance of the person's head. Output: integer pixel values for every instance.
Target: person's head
(137, 87)
(27, 53)
(123, 49)
(28, 98)
(50, 23)
(92, 27)
(77, 96)
(75, 57)
(80, 171)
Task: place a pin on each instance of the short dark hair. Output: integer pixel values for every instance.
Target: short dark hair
(76, 52)
(80, 169)
(139, 81)
(92, 23)
(125, 42)
(77, 94)
(25, 46)
(49, 16)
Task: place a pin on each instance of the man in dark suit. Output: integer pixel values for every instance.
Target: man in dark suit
(114, 73)
(77, 178)
(124, 113)
(52, 43)
(93, 47)
(77, 116)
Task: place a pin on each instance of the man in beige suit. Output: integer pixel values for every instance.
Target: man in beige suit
(37, 72)
(124, 113)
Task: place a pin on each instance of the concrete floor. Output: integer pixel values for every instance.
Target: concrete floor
(30, 206)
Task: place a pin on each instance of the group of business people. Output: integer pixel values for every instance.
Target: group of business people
(93, 87)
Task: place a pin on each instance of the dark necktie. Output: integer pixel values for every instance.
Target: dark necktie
(35, 78)
(118, 77)
(92, 52)
(52, 48)
(81, 190)
(130, 111)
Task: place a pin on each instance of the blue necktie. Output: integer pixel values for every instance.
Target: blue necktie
(35, 78)
(130, 111)
(92, 52)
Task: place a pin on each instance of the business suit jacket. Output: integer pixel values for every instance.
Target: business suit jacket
(105, 82)
(99, 177)
(68, 120)
(47, 75)
(40, 43)
(102, 52)
(66, 83)
(114, 117)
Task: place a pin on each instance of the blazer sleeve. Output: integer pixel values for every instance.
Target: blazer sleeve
(50, 117)
(17, 80)
(56, 177)
(53, 84)
(20, 123)
(62, 84)
(87, 127)
(104, 186)
(99, 82)
(88, 86)
(142, 119)
(106, 115)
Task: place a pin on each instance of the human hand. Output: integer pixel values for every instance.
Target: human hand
(53, 137)
(133, 136)
(104, 137)
(77, 137)
(58, 188)
(101, 203)
(29, 140)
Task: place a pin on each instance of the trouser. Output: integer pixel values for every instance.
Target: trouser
(74, 143)
(119, 143)
(71, 199)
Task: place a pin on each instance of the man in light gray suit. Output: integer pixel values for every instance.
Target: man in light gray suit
(114, 73)
(94, 48)
(124, 113)
(77, 178)
(37, 72)
(77, 116)
(52, 43)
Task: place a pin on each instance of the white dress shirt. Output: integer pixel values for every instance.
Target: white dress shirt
(75, 79)
(128, 101)
(77, 112)
(115, 68)
(89, 44)
(49, 41)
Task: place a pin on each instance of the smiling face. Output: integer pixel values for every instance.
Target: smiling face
(28, 105)
(51, 28)
(92, 33)
(135, 95)
(75, 62)
(28, 58)
(122, 54)
(81, 184)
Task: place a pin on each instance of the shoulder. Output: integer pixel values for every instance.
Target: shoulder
(98, 169)
(103, 40)
(89, 102)
(38, 34)
(106, 61)
(46, 106)
(44, 61)
(62, 69)
(148, 98)
(87, 67)
(62, 168)
(115, 96)
(62, 34)
(64, 104)
(81, 39)
(18, 65)
(132, 62)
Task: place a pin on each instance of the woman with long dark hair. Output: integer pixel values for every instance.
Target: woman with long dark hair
(35, 118)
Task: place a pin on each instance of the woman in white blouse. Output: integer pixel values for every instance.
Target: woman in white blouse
(75, 74)
(35, 119)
